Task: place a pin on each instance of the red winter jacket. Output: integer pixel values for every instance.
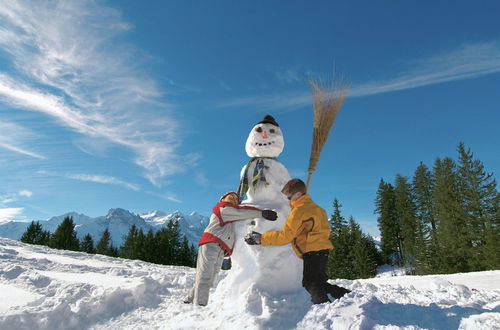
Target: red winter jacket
(220, 229)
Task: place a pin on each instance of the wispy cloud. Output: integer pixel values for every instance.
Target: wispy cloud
(93, 178)
(468, 61)
(14, 137)
(289, 76)
(170, 196)
(25, 193)
(201, 179)
(68, 64)
(20, 150)
(11, 213)
(270, 102)
(13, 197)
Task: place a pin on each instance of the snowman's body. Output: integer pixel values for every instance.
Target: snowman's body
(268, 270)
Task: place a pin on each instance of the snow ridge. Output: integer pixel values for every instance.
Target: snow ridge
(44, 288)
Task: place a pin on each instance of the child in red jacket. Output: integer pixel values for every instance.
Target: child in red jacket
(217, 242)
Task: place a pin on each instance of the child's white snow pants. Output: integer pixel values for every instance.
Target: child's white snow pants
(208, 264)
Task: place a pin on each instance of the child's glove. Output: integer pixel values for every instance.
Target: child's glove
(253, 238)
(269, 215)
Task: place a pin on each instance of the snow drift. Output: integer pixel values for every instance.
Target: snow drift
(43, 288)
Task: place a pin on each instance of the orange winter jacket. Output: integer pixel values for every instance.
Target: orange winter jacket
(306, 228)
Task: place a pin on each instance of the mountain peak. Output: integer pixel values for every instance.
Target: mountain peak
(119, 212)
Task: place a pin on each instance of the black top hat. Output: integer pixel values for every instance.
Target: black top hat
(268, 119)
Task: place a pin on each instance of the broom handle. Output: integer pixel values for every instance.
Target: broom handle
(309, 179)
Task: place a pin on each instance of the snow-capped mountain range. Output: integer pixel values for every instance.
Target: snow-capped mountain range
(118, 221)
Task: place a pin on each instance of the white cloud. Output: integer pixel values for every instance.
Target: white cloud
(93, 178)
(13, 197)
(170, 196)
(468, 61)
(21, 151)
(11, 213)
(14, 137)
(271, 102)
(289, 76)
(201, 179)
(69, 66)
(25, 193)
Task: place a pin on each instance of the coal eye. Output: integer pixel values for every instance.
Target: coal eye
(259, 129)
(272, 130)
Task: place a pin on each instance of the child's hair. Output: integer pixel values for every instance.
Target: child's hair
(293, 186)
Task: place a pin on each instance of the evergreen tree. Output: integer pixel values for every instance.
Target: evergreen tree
(354, 255)
(35, 234)
(388, 224)
(406, 215)
(173, 241)
(164, 246)
(364, 265)
(185, 256)
(113, 251)
(104, 245)
(151, 253)
(87, 244)
(337, 221)
(64, 237)
(427, 245)
(129, 247)
(481, 204)
(339, 261)
(141, 245)
(453, 231)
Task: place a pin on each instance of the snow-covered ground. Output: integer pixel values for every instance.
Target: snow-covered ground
(42, 288)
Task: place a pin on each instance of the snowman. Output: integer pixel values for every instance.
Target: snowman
(257, 270)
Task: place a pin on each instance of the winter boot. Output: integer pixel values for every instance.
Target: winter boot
(336, 291)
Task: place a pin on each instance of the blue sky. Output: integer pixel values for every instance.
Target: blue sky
(147, 105)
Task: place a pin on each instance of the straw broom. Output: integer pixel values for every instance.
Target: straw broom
(327, 100)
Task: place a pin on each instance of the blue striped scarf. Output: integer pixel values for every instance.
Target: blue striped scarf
(257, 177)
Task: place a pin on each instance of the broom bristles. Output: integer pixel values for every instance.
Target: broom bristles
(327, 101)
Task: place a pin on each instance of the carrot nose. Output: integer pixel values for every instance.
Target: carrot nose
(264, 134)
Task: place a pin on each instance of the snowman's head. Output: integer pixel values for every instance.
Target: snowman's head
(265, 139)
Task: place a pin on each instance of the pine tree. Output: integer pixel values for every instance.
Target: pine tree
(173, 241)
(453, 231)
(87, 244)
(151, 252)
(405, 213)
(35, 234)
(364, 265)
(337, 221)
(185, 257)
(354, 255)
(129, 247)
(141, 245)
(481, 204)
(104, 245)
(427, 245)
(339, 260)
(388, 223)
(64, 237)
